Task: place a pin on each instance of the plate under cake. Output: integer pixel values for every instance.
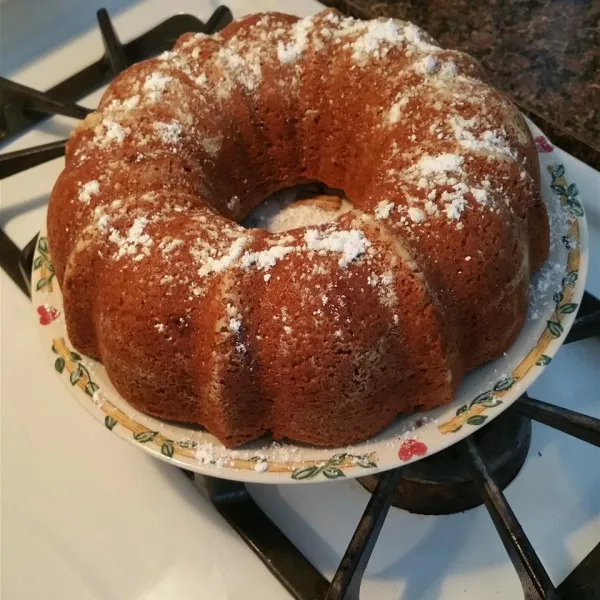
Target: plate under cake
(555, 293)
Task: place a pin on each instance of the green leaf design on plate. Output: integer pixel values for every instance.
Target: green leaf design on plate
(76, 375)
(110, 422)
(50, 267)
(365, 462)
(43, 244)
(305, 472)
(44, 281)
(575, 207)
(91, 388)
(559, 171)
(567, 242)
(145, 436)
(477, 420)
(462, 409)
(570, 278)
(567, 309)
(167, 449)
(487, 399)
(555, 328)
(483, 398)
(559, 189)
(337, 459)
(504, 384)
(543, 360)
(75, 356)
(573, 190)
(38, 262)
(59, 364)
(333, 472)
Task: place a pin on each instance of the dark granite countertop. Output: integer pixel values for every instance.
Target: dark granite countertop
(544, 53)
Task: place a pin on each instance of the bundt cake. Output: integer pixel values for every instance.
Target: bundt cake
(322, 333)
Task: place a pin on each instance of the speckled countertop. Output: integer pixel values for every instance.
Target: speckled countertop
(544, 53)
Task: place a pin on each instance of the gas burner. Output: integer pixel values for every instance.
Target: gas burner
(471, 472)
(442, 484)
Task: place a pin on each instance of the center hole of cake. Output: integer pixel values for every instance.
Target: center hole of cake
(304, 205)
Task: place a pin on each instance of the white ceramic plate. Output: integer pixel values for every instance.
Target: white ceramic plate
(483, 395)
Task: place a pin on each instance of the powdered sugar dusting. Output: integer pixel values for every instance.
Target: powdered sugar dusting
(87, 190)
(212, 145)
(396, 110)
(265, 259)
(208, 454)
(455, 208)
(351, 244)
(491, 142)
(427, 64)
(98, 397)
(291, 51)
(417, 37)
(110, 131)
(244, 70)
(385, 285)
(383, 210)
(546, 282)
(169, 133)
(440, 164)
(375, 33)
(209, 264)
(127, 104)
(261, 466)
(137, 243)
(235, 321)
(480, 195)
(103, 222)
(155, 84)
(417, 215)
(168, 245)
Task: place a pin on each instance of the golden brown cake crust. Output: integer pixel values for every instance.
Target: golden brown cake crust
(320, 334)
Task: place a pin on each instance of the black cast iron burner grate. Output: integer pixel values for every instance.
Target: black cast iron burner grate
(22, 108)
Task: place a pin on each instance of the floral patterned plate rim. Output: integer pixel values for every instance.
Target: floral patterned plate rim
(484, 394)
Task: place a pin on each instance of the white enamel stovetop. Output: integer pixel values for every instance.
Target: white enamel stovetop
(85, 516)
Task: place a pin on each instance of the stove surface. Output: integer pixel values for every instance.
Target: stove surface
(95, 518)
(556, 498)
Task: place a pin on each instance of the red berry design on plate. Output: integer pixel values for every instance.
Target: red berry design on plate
(47, 314)
(411, 448)
(543, 144)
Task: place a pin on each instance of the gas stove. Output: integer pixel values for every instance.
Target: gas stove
(98, 519)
